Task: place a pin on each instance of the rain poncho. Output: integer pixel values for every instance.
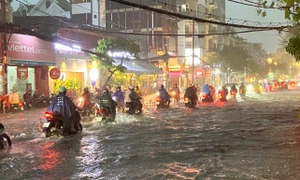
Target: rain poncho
(206, 90)
(190, 93)
(119, 96)
(163, 94)
(66, 108)
(107, 102)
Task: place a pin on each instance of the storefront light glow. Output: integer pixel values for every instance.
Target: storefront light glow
(120, 54)
(94, 73)
(62, 47)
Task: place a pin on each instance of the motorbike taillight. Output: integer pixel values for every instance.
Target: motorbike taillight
(20, 104)
(48, 115)
(157, 99)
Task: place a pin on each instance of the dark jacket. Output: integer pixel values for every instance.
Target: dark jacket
(190, 93)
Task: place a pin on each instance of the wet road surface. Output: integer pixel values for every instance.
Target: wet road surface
(256, 137)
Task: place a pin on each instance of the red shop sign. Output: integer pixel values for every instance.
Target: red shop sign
(54, 73)
(22, 72)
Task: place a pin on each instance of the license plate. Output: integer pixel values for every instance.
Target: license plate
(157, 103)
(127, 108)
(45, 125)
(22, 108)
(186, 101)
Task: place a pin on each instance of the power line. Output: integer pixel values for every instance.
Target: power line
(183, 16)
(228, 18)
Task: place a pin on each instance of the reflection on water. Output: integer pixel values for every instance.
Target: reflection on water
(50, 157)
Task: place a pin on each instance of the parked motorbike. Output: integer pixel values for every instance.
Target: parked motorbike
(54, 123)
(188, 103)
(160, 103)
(134, 107)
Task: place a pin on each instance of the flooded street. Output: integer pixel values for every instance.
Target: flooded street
(256, 137)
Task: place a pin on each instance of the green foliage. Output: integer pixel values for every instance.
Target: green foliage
(117, 44)
(70, 84)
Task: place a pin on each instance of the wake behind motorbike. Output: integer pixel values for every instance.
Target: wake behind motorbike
(54, 123)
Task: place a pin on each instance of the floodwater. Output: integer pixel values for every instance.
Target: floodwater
(256, 137)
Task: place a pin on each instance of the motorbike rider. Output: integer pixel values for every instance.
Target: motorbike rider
(191, 94)
(134, 101)
(224, 92)
(87, 104)
(177, 92)
(207, 91)
(27, 95)
(65, 106)
(233, 89)
(106, 102)
(4, 135)
(242, 89)
(119, 97)
(164, 95)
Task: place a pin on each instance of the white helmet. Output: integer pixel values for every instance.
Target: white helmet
(131, 87)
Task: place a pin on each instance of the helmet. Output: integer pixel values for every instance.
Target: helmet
(119, 87)
(162, 86)
(62, 89)
(131, 87)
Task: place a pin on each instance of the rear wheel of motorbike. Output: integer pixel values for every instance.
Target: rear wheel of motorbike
(47, 132)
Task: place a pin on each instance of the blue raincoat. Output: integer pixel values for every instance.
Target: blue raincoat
(206, 90)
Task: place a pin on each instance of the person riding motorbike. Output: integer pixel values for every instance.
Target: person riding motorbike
(3, 136)
(224, 93)
(119, 98)
(134, 101)
(27, 95)
(176, 90)
(87, 104)
(106, 102)
(65, 106)
(191, 94)
(164, 95)
(233, 90)
(206, 91)
(242, 89)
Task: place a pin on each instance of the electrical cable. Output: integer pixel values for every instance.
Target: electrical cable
(183, 16)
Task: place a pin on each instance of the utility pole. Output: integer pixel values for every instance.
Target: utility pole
(193, 54)
(4, 48)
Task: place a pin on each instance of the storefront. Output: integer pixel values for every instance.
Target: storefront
(28, 59)
(73, 65)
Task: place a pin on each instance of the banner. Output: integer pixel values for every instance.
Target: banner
(22, 72)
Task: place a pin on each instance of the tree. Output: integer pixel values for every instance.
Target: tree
(116, 44)
(234, 58)
(291, 10)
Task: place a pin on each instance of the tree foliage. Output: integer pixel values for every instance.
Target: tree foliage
(291, 10)
(116, 44)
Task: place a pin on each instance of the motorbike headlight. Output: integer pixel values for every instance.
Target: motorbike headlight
(157, 94)
(249, 88)
(173, 93)
(80, 99)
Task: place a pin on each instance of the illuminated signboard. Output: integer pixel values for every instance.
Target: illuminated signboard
(67, 49)
(122, 54)
(174, 68)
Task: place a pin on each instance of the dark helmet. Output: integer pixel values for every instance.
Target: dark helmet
(162, 86)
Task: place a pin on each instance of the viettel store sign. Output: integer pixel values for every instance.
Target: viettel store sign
(29, 50)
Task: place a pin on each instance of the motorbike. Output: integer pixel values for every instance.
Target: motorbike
(188, 103)
(206, 98)
(54, 123)
(120, 107)
(160, 103)
(174, 96)
(104, 113)
(131, 107)
(84, 112)
(242, 92)
(5, 141)
(14, 107)
(222, 96)
(233, 94)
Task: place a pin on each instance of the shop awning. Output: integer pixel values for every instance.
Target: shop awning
(139, 67)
